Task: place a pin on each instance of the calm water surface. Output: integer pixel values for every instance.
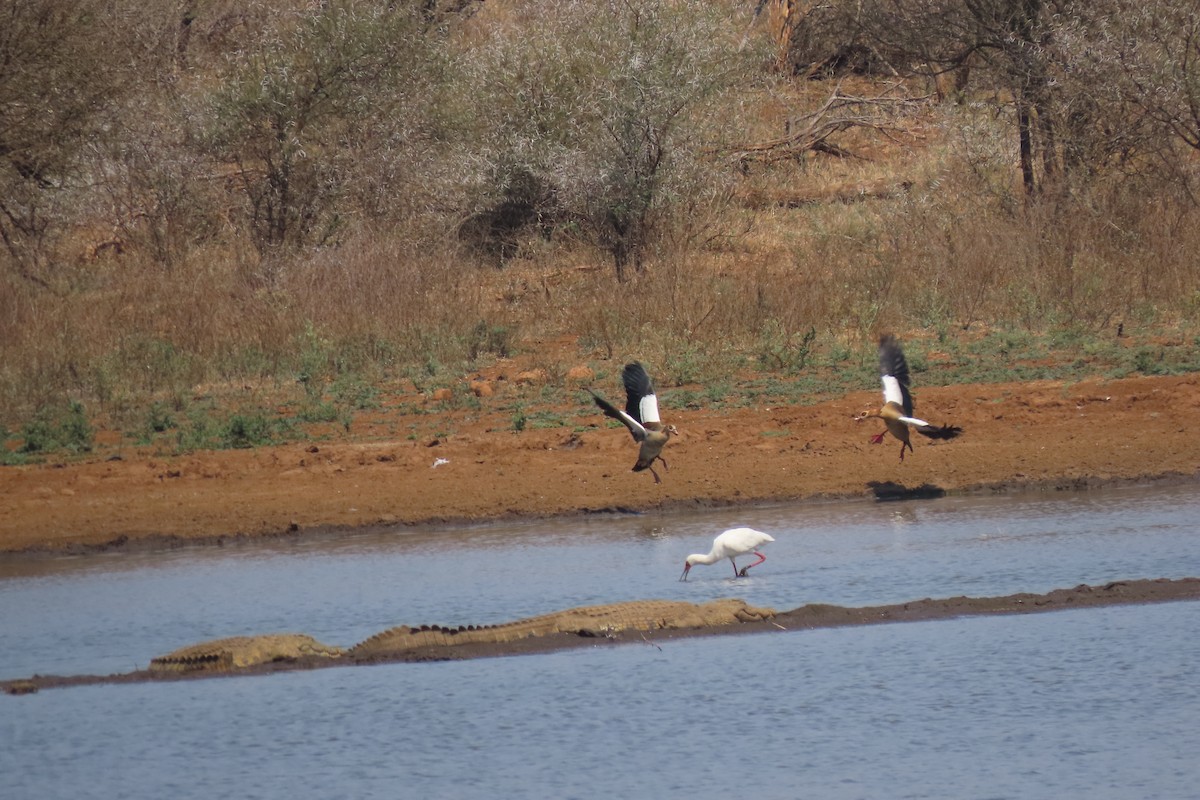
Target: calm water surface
(1098, 703)
(1101, 702)
(101, 614)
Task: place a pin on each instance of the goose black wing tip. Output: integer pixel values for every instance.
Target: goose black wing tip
(637, 385)
(891, 358)
(941, 432)
(605, 406)
(612, 411)
(635, 378)
(892, 362)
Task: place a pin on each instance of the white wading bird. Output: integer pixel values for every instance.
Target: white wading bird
(730, 544)
(641, 417)
(897, 409)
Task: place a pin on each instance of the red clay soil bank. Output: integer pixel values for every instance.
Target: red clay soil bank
(1043, 434)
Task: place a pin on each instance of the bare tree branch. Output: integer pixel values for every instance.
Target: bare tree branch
(840, 112)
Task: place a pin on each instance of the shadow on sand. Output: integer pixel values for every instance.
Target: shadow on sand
(886, 491)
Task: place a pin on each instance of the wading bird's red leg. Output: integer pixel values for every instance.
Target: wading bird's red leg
(761, 558)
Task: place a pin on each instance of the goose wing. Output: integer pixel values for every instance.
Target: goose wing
(928, 429)
(938, 431)
(635, 428)
(640, 401)
(893, 370)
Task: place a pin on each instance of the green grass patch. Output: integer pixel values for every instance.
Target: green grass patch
(210, 429)
(57, 429)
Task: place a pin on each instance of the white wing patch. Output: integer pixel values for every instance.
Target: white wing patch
(920, 423)
(891, 391)
(649, 408)
(635, 427)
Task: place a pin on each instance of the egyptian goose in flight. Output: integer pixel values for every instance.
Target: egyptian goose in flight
(641, 417)
(897, 409)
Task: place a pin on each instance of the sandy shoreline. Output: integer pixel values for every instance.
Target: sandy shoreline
(1045, 435)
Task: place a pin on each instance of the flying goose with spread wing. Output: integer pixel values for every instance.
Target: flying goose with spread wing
(897, 410)
(640, 417)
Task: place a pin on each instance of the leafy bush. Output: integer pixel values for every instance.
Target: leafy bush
(247, 430)
(58, 429)
(610, 104)
(494, 339)
(295, 111)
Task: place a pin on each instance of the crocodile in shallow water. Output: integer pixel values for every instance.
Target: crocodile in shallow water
(223, 655)
(602, 620)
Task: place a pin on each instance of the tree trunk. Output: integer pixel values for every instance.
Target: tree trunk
(1025, 136)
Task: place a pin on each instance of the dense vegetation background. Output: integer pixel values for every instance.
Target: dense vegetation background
(208, 207)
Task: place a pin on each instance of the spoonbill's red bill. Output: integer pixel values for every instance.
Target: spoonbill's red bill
(897, 410)
(730, 544)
